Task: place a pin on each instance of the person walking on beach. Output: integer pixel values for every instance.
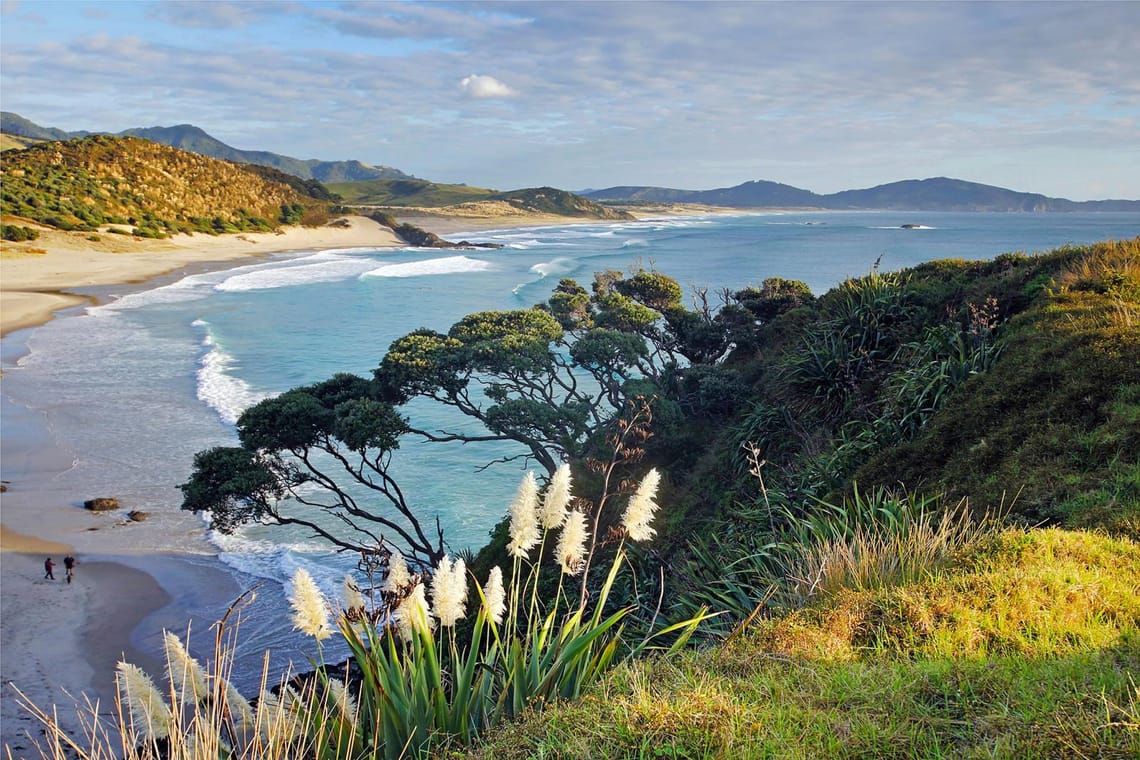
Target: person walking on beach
(48, 565)
(69, 564)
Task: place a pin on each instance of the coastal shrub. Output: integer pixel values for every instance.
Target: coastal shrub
(1053, 420)
(17, 233)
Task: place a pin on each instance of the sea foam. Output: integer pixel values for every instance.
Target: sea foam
(324, 267)
(446, 265)
(226, 394)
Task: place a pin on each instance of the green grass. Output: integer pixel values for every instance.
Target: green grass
(1056, 420)
(407, 192)
(1029, 649)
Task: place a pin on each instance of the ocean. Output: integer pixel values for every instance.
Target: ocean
(130, 390)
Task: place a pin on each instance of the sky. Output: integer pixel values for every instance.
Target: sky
(1036, 97)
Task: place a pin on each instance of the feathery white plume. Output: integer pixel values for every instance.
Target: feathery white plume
(186, 674)
(641, 507)
(342, 699)
(557, 498)
(413, 613)
(353, 599)
(149, 713)
(310, 613)
(241, 712)
(398, 575)
(571, 549)
(524, 518)
(495, 596)
(449, 591)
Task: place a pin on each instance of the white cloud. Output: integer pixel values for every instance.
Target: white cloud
(479, 86)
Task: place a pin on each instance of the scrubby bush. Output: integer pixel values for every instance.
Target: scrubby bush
(17, 233)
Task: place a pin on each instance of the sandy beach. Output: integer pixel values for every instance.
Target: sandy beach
(59, 643)
(39, 277)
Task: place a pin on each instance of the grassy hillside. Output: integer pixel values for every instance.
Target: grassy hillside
(822, 482)
(84, 183)
(15, 142)
(1027, 648)
(423, 194)
(412, 192)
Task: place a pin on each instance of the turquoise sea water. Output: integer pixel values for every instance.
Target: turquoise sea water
(133, 388)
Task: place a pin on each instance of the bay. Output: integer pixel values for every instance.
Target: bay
(132, 389)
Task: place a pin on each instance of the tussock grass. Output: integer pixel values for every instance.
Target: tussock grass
(871, 557)
(1030, 650)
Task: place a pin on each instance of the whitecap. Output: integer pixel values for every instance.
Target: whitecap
(225, 393)
(635, 243)
(446, 265)
(560, 265)
(327, 268)
(187, 289)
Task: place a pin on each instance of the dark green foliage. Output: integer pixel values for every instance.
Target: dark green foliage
(774, 297)
(334, 435)
(236, 485)
(17, 233)
(1049, 423)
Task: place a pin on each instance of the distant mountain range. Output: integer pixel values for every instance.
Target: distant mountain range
(195, 140)
(937, 194)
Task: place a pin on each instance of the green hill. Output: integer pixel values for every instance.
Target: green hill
(1027, 648)
(423, 194)
(83, 183)
(407, 192)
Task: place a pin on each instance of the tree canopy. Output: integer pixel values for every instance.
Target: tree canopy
(552, 379)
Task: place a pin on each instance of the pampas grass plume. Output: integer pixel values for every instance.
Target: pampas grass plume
(495, 596)
(310, 613)
(524, 518)
(449, 591)
(398, 575)
(641, 508)
(149, 713)
(413, 613)
(571, 549)
(186, 674)
(353, 599)
(553, 511)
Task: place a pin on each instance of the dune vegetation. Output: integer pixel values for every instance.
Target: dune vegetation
(151, 190)
(899, 519)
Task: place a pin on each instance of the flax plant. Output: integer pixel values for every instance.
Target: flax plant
(415, 683)
(422, 685)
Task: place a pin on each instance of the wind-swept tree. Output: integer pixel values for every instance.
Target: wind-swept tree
(552, 379)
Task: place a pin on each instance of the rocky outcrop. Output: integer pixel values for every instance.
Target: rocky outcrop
(101, 504)
(421, 238)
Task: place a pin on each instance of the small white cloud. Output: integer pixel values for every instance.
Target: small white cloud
(479, 86)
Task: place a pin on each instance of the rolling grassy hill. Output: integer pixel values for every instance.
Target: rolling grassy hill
(422, 194)
(84, 183)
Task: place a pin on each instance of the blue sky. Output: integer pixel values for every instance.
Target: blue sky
(1039, 97)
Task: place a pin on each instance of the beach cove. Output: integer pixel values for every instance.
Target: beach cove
(173, 574)
(60, 642)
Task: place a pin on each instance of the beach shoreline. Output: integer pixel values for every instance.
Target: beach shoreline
(60, 643)
(54, 635)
